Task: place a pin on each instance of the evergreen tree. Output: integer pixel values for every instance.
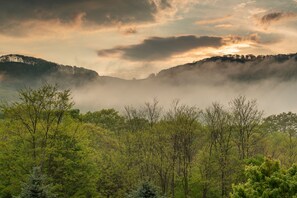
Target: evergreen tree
(35, 187)
(146, 190)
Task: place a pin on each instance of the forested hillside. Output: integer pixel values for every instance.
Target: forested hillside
(50, 149)
(17, 71)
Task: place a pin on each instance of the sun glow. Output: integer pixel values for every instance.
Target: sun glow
(233, 49)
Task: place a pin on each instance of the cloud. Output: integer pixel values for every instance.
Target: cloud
(20, 17)
(103, 11)
(235, 39)
(273, 17)
(130, 30)
(160, 48)
(224, 25)
(243, 5)
(213, 20)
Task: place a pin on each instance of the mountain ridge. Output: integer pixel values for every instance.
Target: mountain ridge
(239, 68)
(215, 77)
(21, 67)
(15, 68)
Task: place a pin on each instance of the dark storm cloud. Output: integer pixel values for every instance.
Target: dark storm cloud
(277, 16)
(158, 48)
(100, 12)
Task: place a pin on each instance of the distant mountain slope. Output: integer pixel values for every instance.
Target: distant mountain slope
(237, 68)
(273, 79)
(19, 70)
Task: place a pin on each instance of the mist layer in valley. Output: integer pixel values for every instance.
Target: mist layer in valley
(271, 80)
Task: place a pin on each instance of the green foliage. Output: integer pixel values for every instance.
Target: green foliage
(75, 114)
(220, 131)
(282, 136)
(284, 122)
(38, 131)
(135, 119)
(146, 190)
(36, 187)
(267, 180)
(106, 118)
(182, 151)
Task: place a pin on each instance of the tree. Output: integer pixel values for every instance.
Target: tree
(106, 118)
(161, 151)
(112, 179)
(152, 112)
(36, 187)
(135, 119)
(284, 124)
(219, 126)
(146, 190)
(182, 123)
(39, 114)
(38, 131)
(267, 180)
(246, 119)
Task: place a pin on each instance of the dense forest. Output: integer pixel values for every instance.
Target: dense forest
(51, 149)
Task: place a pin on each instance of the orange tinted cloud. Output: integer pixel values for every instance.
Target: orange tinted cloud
(18, 18)
(163, 48)
(274, 17)
(224, 25)
(213, 20)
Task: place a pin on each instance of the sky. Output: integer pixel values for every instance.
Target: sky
(134, 38)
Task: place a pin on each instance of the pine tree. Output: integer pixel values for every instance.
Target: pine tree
(146, 190)
(35, 187)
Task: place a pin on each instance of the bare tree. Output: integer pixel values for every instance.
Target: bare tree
(152, 112)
